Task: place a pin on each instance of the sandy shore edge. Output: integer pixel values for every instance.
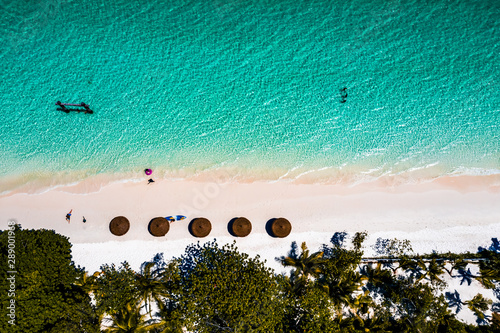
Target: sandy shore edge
(455, 214)
(441, 204)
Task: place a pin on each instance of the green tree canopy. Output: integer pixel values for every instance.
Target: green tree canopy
(115, 288)
(223, 289)
(46, 300)
(130, 319)
(217, 289)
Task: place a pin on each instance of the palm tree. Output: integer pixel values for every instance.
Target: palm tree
(456, 265)
(435, 269)
(479, 305)
(130, 320)
(487, 277)
(378, 279)
(371, 324)
(304, 265)
(342, 288)
(447, 322)
(151, 284)
(170, 318)
(87, 282)
(489, 268)
(495, 320)
(415, 267)
(362, 304)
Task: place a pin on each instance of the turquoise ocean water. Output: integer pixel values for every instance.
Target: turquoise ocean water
(249, 89)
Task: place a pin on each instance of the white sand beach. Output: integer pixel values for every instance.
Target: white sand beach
(455, 214)
(449, 214)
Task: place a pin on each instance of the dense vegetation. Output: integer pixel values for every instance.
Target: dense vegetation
(213, 288)
(46, 296)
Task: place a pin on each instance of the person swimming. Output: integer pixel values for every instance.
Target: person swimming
(343, 95)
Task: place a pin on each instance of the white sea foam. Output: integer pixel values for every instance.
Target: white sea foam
(347, 174)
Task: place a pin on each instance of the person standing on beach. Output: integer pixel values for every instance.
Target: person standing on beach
(84, 220)
(68, 216)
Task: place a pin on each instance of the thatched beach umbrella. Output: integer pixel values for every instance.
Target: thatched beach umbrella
(281, 227)
(119, 226)
(200, 227)
(240, 227)
(158, 226)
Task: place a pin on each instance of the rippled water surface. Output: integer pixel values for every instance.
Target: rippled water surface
(249, 89)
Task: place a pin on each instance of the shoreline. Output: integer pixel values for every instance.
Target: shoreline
(455, 214)
(82, 183)
(440, 204)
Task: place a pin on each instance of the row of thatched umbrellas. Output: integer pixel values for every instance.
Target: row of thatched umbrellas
(201, 227)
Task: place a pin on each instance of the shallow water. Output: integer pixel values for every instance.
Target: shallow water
(249, 90)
